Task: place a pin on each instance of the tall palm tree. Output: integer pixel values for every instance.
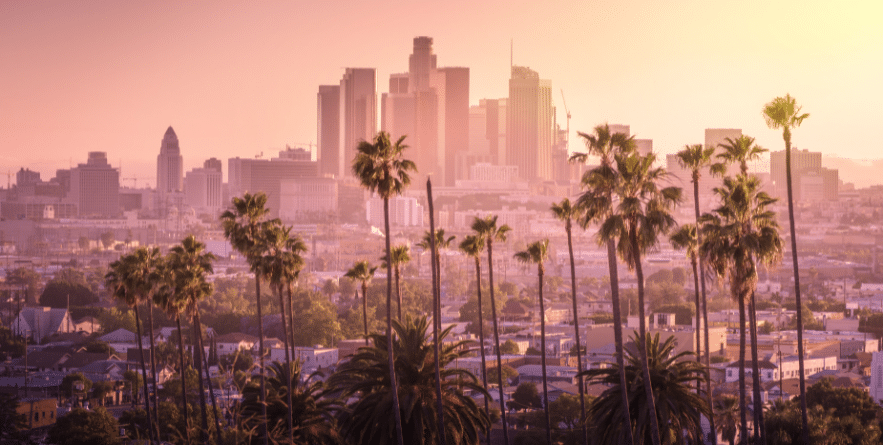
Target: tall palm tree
(363, 273)
(380, 167)
(191, 265)
(567, 212)
(473, 246)
(671, 374)
(697, 159)
(641, 216)
(436, 314)
(486, 228)
(441, 242)
(736, 237)
(740, 151)
(401, 254)
(726, 412)
(537, 253)
(606, 145)
(123, 285)
(280, 266)
(366, 421)
(784, 113)
(244, 226)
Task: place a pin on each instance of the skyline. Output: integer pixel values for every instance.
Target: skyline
(238, 80)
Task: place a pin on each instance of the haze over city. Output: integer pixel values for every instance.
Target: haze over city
(239, 79)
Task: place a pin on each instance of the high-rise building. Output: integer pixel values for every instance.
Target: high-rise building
(397, 109)
(421, 64)
(358, 114)
(803, 162)
(328, 110)
(95, 187)
(454, 118)
(169, 165)
(202, 188)
(530, 127)
(214, 164)
(262, 175)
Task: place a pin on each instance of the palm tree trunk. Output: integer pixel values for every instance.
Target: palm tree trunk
(698, 319)
(153, 368)
(287, 362)
(786, 134)
(617, 341)
(543, 356)
(291, 321)
(708, 392)
(579, 353)
(183, 375)
(490, 272)
(758, 403)
(743, 408)
(211, 392)
(257, 288)
(481, 339)
(389, 344)
(365, 309)
(436, 322)
(398, 290)
(645, 366)
(197, 344)
(150, 422)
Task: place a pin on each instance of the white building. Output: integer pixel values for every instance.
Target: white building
(769, 369)
(311, 358)
(203, 189)
(403, 211)
(307, 196)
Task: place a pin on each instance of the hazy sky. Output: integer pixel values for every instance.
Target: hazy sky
(238, 78)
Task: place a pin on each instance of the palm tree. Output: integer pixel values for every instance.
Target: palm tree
(401, 254)
(311, 411)
(366, 421)
(244, 226)
(738, 151)
(363, 273)
(473, 246)
(697, 158)
(441, 242)
(642, 215)
(281, 266)
(784, 113)
(679, 407)
(191, 265)
(381, 169)
(736, 236)
(605, 145)
(726, 412)
(122, 282)
(486, 228)
(537, 253)
(567, 212)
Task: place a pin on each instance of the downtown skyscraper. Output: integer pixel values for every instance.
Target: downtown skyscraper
(169, 165)
(530, 132)
(347, 114)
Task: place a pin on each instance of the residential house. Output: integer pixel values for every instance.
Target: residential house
(41, 322)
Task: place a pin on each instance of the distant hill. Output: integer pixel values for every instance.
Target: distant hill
(861, 172)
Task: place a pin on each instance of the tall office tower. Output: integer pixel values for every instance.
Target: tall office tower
(95, 187)
(804, 163)
(169, 165)
(644, 146)
(202, 188)
(530, 127)
(397, 109)
(328, 111)
(421, 63)
(454, 118)
(213, 163)
(358, 114)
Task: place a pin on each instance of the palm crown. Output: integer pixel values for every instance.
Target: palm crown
(740, 151)
(380, 167)
(694, 158)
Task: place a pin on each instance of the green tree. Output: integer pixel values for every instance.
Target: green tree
(567, 409)
(381, 169)
(100, 390)
(678, 406)
(567, 212)
(606, 145)
(83, 427)
(366, 419)
(11, 346)
(363, 273)
(401, 255)
(527, 395)
(509, 348)
(642, 215)
(134, 382)
(726, 417)
(487, 230)
(11, 422)
(509, 373)
(69, 387)
(244, 226)
(107, 239)
(537, 253)
(28, 278)
(784, 113)
(740, 151)
(740, 234)
(60, 293)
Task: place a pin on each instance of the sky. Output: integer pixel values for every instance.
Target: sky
(239, 78)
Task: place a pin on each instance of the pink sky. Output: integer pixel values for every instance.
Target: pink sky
(239, 78)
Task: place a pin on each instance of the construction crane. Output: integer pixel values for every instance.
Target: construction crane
(566, 111)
